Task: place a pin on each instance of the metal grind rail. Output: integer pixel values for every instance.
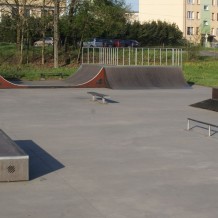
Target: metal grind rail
(204, 123)
(132, 56)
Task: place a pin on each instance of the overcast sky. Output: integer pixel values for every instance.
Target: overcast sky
(134, 4)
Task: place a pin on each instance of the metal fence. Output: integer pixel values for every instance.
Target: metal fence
(132, 56)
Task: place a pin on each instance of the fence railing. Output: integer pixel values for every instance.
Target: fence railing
(132, 56)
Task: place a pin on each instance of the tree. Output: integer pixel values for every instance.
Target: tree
(56, 33)
(154, 33)
(97, 18)
(161, 33)
(7, 26)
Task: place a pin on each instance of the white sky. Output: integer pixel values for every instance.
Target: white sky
(134, 4)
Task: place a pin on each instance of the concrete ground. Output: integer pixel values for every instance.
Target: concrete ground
(130, 158)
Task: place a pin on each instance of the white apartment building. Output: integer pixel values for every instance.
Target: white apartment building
(197, 19)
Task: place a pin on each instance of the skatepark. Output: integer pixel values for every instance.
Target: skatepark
(131, 157)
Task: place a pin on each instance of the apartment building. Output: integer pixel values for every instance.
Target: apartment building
(197, 19)
(29, 7)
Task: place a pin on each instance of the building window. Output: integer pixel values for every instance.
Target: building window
(198, 15)
(47, 12)
(213, 16)
(190, 1)
(217, 31)
(197, 30)
(14, 12)
(205, 23)
(206, 7)
(199, 2)
(190, 30)
(212, 31)
(190, 15)
(27, 12)
(213, 2)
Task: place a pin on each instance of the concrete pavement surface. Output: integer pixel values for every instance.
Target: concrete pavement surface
(130, 158)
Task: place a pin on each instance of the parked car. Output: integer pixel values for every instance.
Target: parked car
(131, 43)
(108, 43)
(48, 42)
(119, 43)
(95, 42)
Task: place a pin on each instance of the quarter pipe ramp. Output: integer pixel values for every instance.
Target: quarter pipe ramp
(114, 77)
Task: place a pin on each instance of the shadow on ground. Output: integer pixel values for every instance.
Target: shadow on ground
(208, 104)
(40, 161)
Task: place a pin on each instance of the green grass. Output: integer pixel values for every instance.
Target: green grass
(203, 73)
(33, 72)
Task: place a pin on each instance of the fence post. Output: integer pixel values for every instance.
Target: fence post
(93, 55)
(117, 56)
(142, 57)
(173, 58)
(148, 56)
(136, 56)
(123, 56)
(88, 55)
(82, 54)
(166, 56)
(160, 57)
(154, 56)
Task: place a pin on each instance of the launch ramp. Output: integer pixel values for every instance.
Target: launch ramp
(145, 77)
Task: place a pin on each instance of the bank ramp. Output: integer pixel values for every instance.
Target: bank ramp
(114, 77)
(145, 77)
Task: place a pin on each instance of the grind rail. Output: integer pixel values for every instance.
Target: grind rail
(204, 123)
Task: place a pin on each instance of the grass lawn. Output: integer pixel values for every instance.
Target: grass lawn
(34, 72)
(203, 73)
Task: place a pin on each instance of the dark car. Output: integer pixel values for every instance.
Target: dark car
(108, 43)
(131, 43)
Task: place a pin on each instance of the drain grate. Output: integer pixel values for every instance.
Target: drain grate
(11, 169)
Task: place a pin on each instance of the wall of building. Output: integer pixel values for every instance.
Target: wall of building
(166, 10)
(195, 18)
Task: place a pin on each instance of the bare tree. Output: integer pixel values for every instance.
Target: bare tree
(56, 33)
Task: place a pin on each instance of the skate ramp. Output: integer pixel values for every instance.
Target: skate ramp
(145, 77)
(87, 76)
(114, 77)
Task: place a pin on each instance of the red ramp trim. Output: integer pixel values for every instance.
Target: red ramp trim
(98, 81)
(5, 84)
